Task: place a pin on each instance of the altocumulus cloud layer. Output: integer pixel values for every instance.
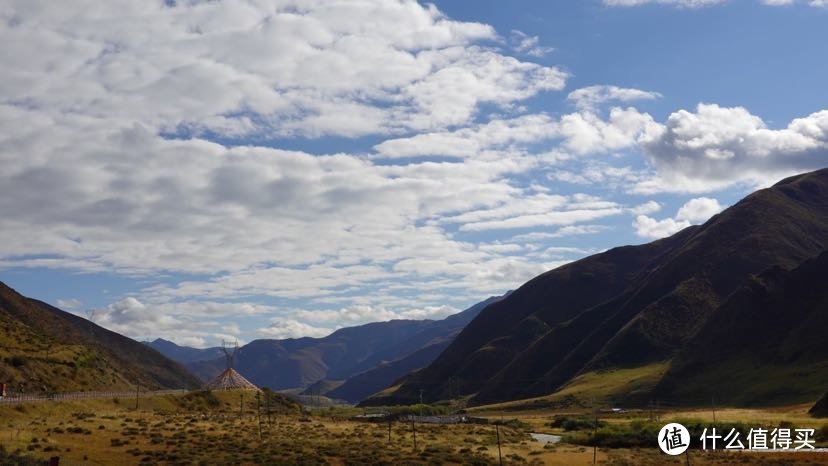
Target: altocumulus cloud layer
(115, 117)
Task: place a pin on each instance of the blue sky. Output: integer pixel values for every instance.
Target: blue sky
(273, 169)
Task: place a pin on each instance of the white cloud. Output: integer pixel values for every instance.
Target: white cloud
(90, 99)
(534, 210)
(813, 3)
(715, 147)
(191, 341)
(585, 132)
(288, 328)
(231, 329)
(582, 132)
(705, 3)
(648, 227)
(698, 210)
(316, 323)
(71, 304)
(544, 219)
(429, 312)
(591, 97)
(475, 140)
(649, 207)
(133, 318)
(529, 45)
(107, 112)
(571, 230)
(678, 3)
(190, 323)
(694, 211)
(235, 67)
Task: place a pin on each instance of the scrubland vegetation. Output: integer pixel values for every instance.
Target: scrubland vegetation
(204, 427)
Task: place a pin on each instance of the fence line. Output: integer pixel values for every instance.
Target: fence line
(33, 398)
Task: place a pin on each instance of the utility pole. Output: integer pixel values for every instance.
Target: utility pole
(499, 454)
(137, 390)
(658, 416)
(421, 402)
(267, 396)
(594, 433)
(713, 406)
(414, 429)
(259, 415)
(389, 429)
(241, 404)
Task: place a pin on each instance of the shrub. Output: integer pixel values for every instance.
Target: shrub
(418, 409)
(638, 434)
(116, 442)
(17, 361)
(569, 423)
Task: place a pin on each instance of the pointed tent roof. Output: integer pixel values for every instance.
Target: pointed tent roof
(230, 380)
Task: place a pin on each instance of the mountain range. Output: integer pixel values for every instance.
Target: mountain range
(349, 364)
(46, 349)
(732, 309)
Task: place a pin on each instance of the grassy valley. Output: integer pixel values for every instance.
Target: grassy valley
(227, 428)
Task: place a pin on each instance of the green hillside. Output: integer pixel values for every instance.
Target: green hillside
(48, 350)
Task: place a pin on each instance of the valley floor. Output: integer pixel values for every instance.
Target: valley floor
(207, 428)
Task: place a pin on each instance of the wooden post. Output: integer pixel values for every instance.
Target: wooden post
(713, 406)
(259, 415)
(414, 429)
(267, 396)
(499, 454)
(594, 432)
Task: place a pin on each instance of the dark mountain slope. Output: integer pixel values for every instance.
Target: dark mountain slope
(184, 354)
(293, 363)
(657, 316)
(321, 387)
(770, 334)
(820, 408)
(438, 332)
(507, 328)
(50, 349)
(410, 355)
(630, 306)
(367, 383)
